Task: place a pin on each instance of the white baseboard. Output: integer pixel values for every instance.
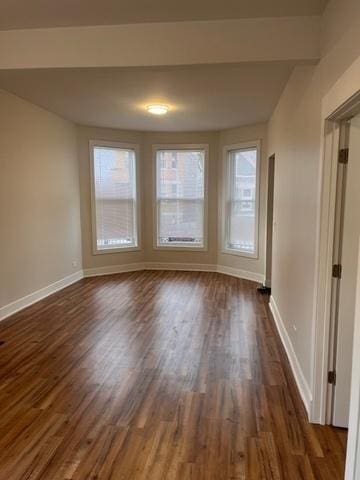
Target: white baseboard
(300, 379)
(187, 267)
(244, 274)
(99, 271)
(34, 297)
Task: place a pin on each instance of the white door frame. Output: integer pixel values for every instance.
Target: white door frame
(321, 337)
(321, 334)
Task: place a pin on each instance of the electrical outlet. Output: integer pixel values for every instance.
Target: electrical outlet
(75, 263)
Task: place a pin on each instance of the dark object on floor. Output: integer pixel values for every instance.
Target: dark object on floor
(264, 290)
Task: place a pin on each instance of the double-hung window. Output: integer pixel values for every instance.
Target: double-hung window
(180, 196)
(114, 196)
(241, 199)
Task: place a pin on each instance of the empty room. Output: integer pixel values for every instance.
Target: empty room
(179, 240)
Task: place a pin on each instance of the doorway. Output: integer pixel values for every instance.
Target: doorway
(269, 220)
(266, 287)
(344, 272)
(334, 330)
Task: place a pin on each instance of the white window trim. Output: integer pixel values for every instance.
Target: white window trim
(110, 144)
(225, 198)
(155, 149)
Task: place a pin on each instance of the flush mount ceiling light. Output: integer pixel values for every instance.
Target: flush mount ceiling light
(157, 109)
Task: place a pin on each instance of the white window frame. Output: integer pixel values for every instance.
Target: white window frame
(121, 145)
(156, 148)
(256, 144)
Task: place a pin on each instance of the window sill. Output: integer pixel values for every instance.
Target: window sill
(116, 250)
(180, 248)
(238, 253)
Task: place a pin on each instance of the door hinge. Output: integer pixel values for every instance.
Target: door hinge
(332, 377)
(336, 271)
(344, 155)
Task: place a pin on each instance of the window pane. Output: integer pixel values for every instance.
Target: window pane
(181, 221)
(180, 197)
(242, 201)
(115, 197)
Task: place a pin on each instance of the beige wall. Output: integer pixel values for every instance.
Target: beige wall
(146, 141)
(229, 137)
(39, 199)
(295, 136)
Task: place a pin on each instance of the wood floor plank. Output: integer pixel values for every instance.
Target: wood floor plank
(155, 376)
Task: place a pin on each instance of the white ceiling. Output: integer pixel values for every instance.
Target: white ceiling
(56, 13)
(211, 97)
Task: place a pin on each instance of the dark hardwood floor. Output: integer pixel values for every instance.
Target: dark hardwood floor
(155, 375)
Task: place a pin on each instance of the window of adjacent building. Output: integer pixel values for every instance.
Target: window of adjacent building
(114, 196)
(180, 197)
(241, 199)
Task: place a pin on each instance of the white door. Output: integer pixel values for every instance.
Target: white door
(347, 284)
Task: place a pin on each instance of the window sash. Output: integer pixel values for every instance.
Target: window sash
(106, 208)
(193, 239)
